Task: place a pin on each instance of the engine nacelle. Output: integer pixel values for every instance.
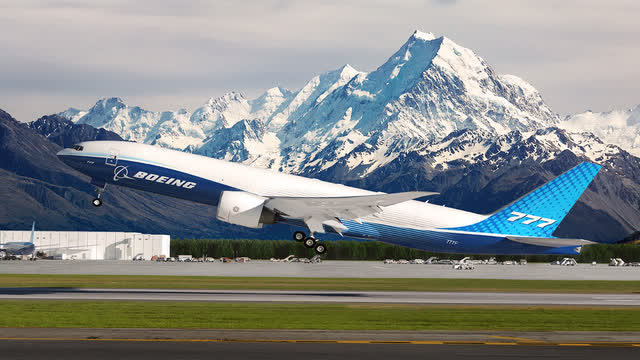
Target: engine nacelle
(245, 209)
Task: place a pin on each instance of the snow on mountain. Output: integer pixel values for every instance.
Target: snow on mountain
(474, 146)
(313, 93)
(269, 103)
(428, 88)
(240, 141)
(620, 127)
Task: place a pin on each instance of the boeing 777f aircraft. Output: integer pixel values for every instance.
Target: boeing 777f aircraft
(254, 197)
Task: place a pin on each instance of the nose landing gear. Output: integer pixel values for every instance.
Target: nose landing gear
(97, 202)
(310, 242)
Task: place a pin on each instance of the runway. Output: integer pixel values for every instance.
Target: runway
(142, 350)
(327, 269)
(389, 297)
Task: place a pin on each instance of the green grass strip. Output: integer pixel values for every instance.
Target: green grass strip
(194, 315)
(296, 283)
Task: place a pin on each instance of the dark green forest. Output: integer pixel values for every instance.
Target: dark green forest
(371, 250)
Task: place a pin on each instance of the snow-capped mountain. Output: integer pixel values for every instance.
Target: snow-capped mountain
(620, 127)
(475, 170)
(427, 89)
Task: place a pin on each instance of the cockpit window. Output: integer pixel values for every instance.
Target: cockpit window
(78, 147)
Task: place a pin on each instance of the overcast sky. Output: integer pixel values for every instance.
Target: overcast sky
(166, 55)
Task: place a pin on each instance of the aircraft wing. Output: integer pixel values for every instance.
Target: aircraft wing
(72, 249)
(319, 211)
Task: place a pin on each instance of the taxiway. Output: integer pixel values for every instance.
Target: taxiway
(389, 297)
(327, 269)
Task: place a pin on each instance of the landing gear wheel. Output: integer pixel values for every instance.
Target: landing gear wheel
(299, 236)
(320, 249)
(310, 242)
(99, 190)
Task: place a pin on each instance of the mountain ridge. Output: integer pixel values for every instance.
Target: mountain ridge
(429, 87)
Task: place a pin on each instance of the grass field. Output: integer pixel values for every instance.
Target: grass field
(189, 315)
(341, 284)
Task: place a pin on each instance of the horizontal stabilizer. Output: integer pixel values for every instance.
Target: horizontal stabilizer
(549, 242)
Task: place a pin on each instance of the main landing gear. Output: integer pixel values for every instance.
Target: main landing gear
(310, 242)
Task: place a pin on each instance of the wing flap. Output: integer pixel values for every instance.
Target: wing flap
(351, 202)
(319, 211)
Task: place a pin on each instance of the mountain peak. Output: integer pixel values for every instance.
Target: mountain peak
(227, 97)
(110, 101)
(348, 71)
(424, 36)
(274, 91)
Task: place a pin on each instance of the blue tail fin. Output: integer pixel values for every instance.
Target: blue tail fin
(540, 212)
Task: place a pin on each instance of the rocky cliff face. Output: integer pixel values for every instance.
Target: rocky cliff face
(65, 133)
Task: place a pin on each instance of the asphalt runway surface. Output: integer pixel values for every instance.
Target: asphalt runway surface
(141, 350)
(329, 269)
(424, 337)
(389, 297)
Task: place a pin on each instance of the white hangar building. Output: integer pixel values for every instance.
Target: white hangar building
(92, 245)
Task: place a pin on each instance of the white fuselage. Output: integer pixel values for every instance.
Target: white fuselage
(267, 183)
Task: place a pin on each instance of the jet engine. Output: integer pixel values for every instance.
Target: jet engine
(245, 209)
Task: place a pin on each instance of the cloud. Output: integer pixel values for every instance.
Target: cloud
(146, 50)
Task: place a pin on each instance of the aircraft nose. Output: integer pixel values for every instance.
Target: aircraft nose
(63, 154)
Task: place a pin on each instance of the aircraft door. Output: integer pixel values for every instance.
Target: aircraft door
(112, 159)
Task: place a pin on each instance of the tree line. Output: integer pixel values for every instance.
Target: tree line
(372, 250)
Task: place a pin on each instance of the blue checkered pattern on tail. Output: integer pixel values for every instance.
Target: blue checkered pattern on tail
(541, 211)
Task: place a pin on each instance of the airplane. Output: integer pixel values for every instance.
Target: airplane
(16, 248)
(254, 197)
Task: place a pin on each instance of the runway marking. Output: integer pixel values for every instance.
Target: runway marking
(515, 338)
(375, 342)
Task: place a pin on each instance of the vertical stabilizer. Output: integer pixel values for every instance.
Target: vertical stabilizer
(539, 213)
(33, 231)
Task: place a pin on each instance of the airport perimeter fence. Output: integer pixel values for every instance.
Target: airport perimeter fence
(371, 250)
